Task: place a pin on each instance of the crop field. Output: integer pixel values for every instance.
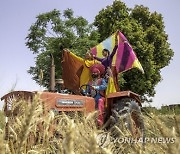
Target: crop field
(33, 130)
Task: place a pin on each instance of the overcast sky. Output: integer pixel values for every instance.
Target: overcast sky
(16, 17)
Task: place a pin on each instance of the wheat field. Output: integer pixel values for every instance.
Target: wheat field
(33, 130)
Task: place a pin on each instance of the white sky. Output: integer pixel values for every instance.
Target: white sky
(16, 17)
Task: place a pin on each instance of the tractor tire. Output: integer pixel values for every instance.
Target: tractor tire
(127, 110)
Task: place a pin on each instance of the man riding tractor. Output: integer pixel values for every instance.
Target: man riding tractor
(96, 88)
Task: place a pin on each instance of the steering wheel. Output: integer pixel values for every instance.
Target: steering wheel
(88, 90)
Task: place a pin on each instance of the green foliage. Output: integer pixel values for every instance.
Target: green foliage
(54, 31)
(164, 110)
(167, 110)
(145, 32)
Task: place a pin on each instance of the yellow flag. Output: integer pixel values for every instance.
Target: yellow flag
(110, 88)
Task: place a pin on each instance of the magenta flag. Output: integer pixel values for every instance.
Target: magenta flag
(124, 59)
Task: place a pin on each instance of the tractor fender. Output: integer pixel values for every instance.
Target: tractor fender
(122, 94)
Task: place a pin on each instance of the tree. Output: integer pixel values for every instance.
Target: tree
(145, 32)
(52, 32)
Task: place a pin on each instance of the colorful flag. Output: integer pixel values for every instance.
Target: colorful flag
(110, 88)
(124, 59)
(71, 75)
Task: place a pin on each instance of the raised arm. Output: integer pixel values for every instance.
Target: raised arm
(81, 60)
(97, 58)
(116, 45)
(114, 51)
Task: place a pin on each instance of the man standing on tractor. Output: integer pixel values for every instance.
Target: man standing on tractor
(107, 61)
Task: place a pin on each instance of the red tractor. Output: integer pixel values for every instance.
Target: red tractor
(124, 104)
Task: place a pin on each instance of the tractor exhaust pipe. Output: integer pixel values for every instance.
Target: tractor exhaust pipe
(52, 75)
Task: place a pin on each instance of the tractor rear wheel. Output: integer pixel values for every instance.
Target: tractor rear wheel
(127, 110)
